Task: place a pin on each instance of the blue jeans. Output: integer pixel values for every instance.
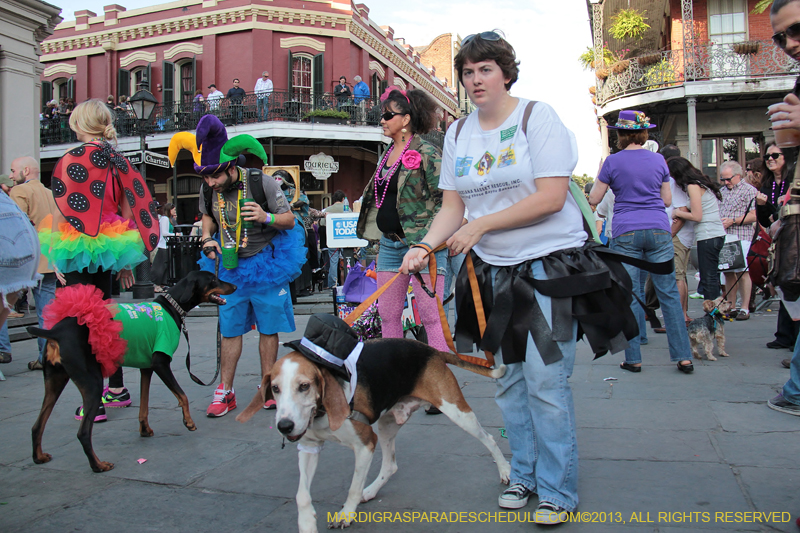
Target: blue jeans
(5, 342)
(791, 391)
(654, 245)
(391, 254)
(454, 263)
(708, 265)
(333, 267)
(43, 294)
(263, 107)
(539, 415)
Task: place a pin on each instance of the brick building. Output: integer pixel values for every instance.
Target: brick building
(705, 72)
(181, 47)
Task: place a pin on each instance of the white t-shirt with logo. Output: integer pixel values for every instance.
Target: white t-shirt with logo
(493, 170)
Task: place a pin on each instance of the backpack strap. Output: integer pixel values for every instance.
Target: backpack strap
(459, 126)
(526, 115)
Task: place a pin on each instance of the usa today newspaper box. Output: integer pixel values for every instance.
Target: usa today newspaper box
(341, 233)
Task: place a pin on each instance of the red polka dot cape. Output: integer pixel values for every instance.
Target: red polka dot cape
(79, 186)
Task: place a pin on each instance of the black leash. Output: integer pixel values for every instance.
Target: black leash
(219, 343)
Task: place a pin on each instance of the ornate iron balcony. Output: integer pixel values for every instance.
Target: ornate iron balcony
(710, 61)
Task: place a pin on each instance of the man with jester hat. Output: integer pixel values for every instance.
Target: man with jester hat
(261, 245)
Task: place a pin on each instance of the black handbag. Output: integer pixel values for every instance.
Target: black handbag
(785, 249)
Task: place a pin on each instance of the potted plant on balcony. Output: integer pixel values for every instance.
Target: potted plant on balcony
(747, 48)
(620, 66)
(601, 73)
(649, 58)
(628, 23)
(327, 116)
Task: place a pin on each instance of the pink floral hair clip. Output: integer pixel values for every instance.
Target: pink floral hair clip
(389, 90)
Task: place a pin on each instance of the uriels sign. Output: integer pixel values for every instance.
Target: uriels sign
(321, 166)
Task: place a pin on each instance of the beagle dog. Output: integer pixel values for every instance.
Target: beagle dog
(395, 378)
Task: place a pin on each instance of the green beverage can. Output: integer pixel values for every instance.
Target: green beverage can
(230, 256)
(246, 224)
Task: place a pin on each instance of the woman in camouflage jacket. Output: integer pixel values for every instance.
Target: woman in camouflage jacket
(399, 204)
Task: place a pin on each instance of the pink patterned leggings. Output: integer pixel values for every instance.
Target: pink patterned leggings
(391, 303)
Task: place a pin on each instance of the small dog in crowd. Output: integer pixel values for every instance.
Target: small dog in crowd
(89, 342)
(710, 325)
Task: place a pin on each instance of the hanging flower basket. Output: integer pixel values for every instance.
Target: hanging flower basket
(592, 90)
(601, 73)
(747, 48)
(649, 59)
(620, 66)
(594, 100)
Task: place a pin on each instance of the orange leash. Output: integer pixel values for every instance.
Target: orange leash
(476, 296)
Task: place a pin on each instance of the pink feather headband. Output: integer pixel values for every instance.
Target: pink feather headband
(389, 90)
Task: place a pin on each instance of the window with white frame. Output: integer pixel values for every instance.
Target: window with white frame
(727, 21)
(302, 78)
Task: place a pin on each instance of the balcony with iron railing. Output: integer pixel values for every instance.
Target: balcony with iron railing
(673, 68)
(278, 106)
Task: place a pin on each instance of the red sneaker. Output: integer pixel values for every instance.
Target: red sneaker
(270, 404)
(224, 401)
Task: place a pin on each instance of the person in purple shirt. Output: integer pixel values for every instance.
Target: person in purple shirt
(639, 179)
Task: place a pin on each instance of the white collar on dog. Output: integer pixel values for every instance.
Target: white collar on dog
(349, 363)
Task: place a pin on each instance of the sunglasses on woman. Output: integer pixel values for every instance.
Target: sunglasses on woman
(792, 31)
(389, 115)
(774, 155)
(486, 36)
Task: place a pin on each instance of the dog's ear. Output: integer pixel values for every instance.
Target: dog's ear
(333, 400)
(185, 288)
(708, 305)
(263, 394)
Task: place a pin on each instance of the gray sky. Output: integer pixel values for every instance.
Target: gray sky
(547, 36)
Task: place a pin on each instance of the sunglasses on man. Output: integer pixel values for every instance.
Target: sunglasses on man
(485, 35)
(792, 31)
(772, 156)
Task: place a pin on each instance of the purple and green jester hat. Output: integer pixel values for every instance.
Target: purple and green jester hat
(211, 149)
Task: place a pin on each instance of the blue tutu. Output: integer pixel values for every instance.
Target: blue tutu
(277, 264)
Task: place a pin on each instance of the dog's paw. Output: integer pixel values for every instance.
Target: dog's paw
(723, 354)
(103, 466)
(505, 472)
(42, 459)
(189, 425)
(696, 356)
(368, 494)
(711, 357)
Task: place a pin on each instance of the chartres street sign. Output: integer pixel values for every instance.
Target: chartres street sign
(151, 158)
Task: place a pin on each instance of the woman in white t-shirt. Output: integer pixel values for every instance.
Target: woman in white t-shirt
(513, 175)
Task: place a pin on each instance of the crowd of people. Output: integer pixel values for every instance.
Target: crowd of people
(497, 195)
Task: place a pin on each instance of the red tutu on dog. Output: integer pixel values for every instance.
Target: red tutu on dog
(86, 303)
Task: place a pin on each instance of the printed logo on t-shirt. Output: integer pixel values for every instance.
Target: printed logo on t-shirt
(507, 157)
(484, 165)
(462, 166)
(508, 133)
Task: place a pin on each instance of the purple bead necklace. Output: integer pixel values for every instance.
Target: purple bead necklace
(380, 179)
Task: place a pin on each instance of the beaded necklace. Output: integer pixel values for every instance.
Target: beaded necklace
(772, 197)
(223, 214)
(379, 180)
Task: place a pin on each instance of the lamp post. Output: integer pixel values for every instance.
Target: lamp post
(143, 104)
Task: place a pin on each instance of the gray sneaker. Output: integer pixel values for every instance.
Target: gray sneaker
(514, 497)
(779, 403)
(549, 514)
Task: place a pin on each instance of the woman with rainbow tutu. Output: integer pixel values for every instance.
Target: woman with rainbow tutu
(106, 218)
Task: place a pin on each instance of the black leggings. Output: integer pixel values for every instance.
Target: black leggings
(102, 280)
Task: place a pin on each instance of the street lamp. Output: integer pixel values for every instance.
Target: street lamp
(143, 104)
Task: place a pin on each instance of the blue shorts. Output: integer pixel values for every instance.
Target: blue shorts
(269, 308)
(391, 254)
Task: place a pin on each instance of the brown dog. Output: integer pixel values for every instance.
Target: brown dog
(711, 325)
(395, 378)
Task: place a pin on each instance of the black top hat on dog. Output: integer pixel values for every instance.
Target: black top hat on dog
(330, 342)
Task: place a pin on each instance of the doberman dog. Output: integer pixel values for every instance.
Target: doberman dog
(69, 355)
(395, 378)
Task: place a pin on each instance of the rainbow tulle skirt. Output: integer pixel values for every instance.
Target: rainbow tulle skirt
(117, 246)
